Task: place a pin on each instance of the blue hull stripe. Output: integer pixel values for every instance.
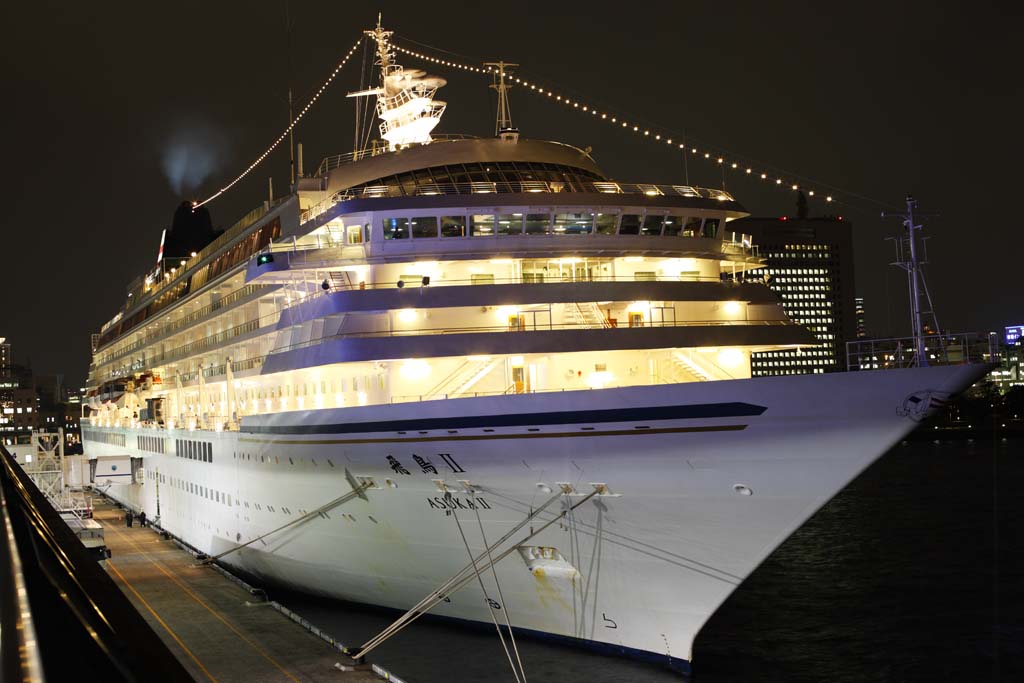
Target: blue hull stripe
(644, 415)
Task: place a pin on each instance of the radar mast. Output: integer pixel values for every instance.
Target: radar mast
(405, 97)
(503, 126)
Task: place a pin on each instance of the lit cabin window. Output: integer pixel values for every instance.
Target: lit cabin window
(453, 226)
(574, 223)
(424, 226)
(395, 228)
(630, 224)
(692, 227)
(652, 225)
(673, 226)
(509, 224)
(481, 226)
(605, 223)
(537, 223)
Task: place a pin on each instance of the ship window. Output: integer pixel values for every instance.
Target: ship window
(574, 223)
(481, 278)
(673, 226)
(453, 226)
(630, 224)
(424, 226)
(537, 223)
(692, 227)
(606, 223)
(481, 225)
(652, 225)
(354, 233)
(510, 223)
(645, 276)
(711, 227)
(395, 228)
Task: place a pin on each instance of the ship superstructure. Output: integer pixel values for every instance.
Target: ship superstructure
(458, 326)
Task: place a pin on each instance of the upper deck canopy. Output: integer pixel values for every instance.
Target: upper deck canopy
(364, 169)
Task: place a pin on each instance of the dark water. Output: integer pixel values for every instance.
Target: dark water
(914, 573)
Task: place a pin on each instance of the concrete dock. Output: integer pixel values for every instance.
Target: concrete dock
(213, 626)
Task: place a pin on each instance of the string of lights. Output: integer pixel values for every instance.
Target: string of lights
(724, 159)
(291, 126)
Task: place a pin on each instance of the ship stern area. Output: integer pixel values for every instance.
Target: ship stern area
(693, 485)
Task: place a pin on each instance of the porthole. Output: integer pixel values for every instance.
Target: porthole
(742, 489)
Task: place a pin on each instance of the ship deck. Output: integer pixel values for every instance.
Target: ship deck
(216, 629)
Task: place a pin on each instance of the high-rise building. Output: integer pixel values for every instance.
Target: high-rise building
(809, 264)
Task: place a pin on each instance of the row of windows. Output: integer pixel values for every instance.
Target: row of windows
(277, 460)
(203, 491)
(194, 450)
(789, 371)
(796, 362)
(458, 178)
(813, 352)
(113, 439)
(505, 224)
(153, 444)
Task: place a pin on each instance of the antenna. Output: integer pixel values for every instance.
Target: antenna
(503, 126)
(907, 249)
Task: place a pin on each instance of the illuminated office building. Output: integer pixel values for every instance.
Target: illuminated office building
(809, 264)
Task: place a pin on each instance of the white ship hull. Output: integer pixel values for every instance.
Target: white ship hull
(698, 500)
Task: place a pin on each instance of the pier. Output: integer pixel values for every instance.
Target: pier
(216, 628)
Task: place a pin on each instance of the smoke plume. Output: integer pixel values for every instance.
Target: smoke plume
(190, 155)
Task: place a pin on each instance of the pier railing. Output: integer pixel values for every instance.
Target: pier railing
(939, 349)
(63, 618)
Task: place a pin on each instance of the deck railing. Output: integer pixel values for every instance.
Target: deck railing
(939, 349)
(514, 187)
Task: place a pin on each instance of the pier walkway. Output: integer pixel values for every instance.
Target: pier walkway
(215, 628)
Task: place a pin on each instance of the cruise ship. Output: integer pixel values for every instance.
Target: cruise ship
(479, 377)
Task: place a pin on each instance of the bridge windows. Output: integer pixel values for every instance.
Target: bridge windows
(453, 226)
(395, 228)
(630, 224)
(560, 223)
(605, 223)
(652, 224)
(424, 226)
(481, 225)
(509, 224)
(537, 223)
(673, 226)
(574, 223)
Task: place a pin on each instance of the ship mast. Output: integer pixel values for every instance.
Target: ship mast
(503, 125)
(909, 259)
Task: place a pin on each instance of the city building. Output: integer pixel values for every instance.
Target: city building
(1008, 374)
(1014, 334)
(809, 264)
(32, 402)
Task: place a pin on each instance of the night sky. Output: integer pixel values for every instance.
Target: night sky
(103, 101)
